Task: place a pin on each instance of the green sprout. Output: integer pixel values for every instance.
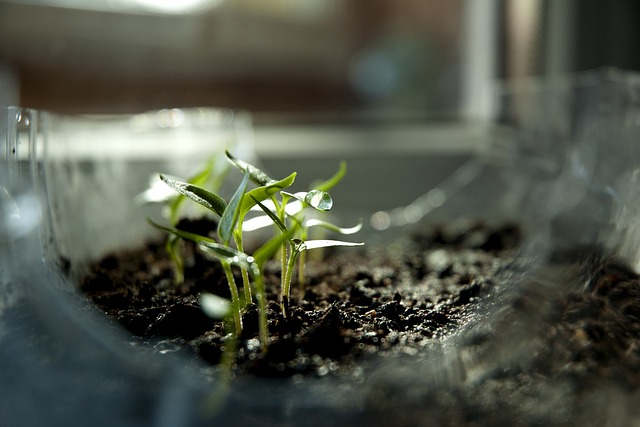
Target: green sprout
(296, 247)
(227, 246)
(318, 199)
(210, 175)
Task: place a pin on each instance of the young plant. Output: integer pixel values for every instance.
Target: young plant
(287, 217)
(295, 206)
(266, 188)
(297, 246)
(227, 257)
(229, 228)
(254, 265)
(324, 186)
(210, 175)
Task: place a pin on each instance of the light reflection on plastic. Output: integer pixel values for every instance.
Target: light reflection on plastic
(411, 213)
(20, 215)
(436, 198)
(170, 118)
(380, 220)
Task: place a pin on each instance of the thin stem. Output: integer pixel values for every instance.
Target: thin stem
(261, 297)
(235, 298)
(286, 284)
(301, 276)
(283, 269)
(283, 253)
(173, 247)
(302, 259)
(246, 283)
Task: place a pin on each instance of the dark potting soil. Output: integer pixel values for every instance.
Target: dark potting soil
(359, 302)
(562, 348)
(562, 353)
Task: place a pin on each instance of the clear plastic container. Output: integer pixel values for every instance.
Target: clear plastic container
(564, 165)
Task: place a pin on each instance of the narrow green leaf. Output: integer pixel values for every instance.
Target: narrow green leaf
(335, 179)
(181, 233)
(273, 216)
(332, 227)
(198, 194)
(315, 244)
(256, 175)
(226, 254)
(319, 200)
(264, 192)
(210, 246)
(230, 216)
(199, 179)
(267, 251)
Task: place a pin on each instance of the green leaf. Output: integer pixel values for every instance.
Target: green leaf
(281, 225)
(199, 179)
(226, 254)
(332, 227)
(316, 244)
(230, 216)
(181, 233)
(210, 246)
(256, 175)
(335, 179)
(264, 192)
(319, 200)
(198, 194)
(267, 251)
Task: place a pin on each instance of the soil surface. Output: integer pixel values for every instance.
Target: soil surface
(560, 347)
(357, 301)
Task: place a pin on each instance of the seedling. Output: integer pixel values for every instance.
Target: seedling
(296, 247)
(320, 201)
(210, 175)
(227, 247)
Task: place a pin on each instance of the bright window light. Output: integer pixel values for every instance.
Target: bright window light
(175, 6)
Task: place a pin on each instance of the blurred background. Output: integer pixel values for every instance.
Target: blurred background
(310, 59)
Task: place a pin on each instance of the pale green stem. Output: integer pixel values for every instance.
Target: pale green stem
(235, 298)
(283, 268)
(283, 251)
(301, 276)
(173, 247)
(247, 286)
(302, 259)
(286, 284)
(261, 297)
(246, 283)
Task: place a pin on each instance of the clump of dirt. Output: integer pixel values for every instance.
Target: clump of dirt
(357, 302)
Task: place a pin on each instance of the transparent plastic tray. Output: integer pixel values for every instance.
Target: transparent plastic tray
(564, 164)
